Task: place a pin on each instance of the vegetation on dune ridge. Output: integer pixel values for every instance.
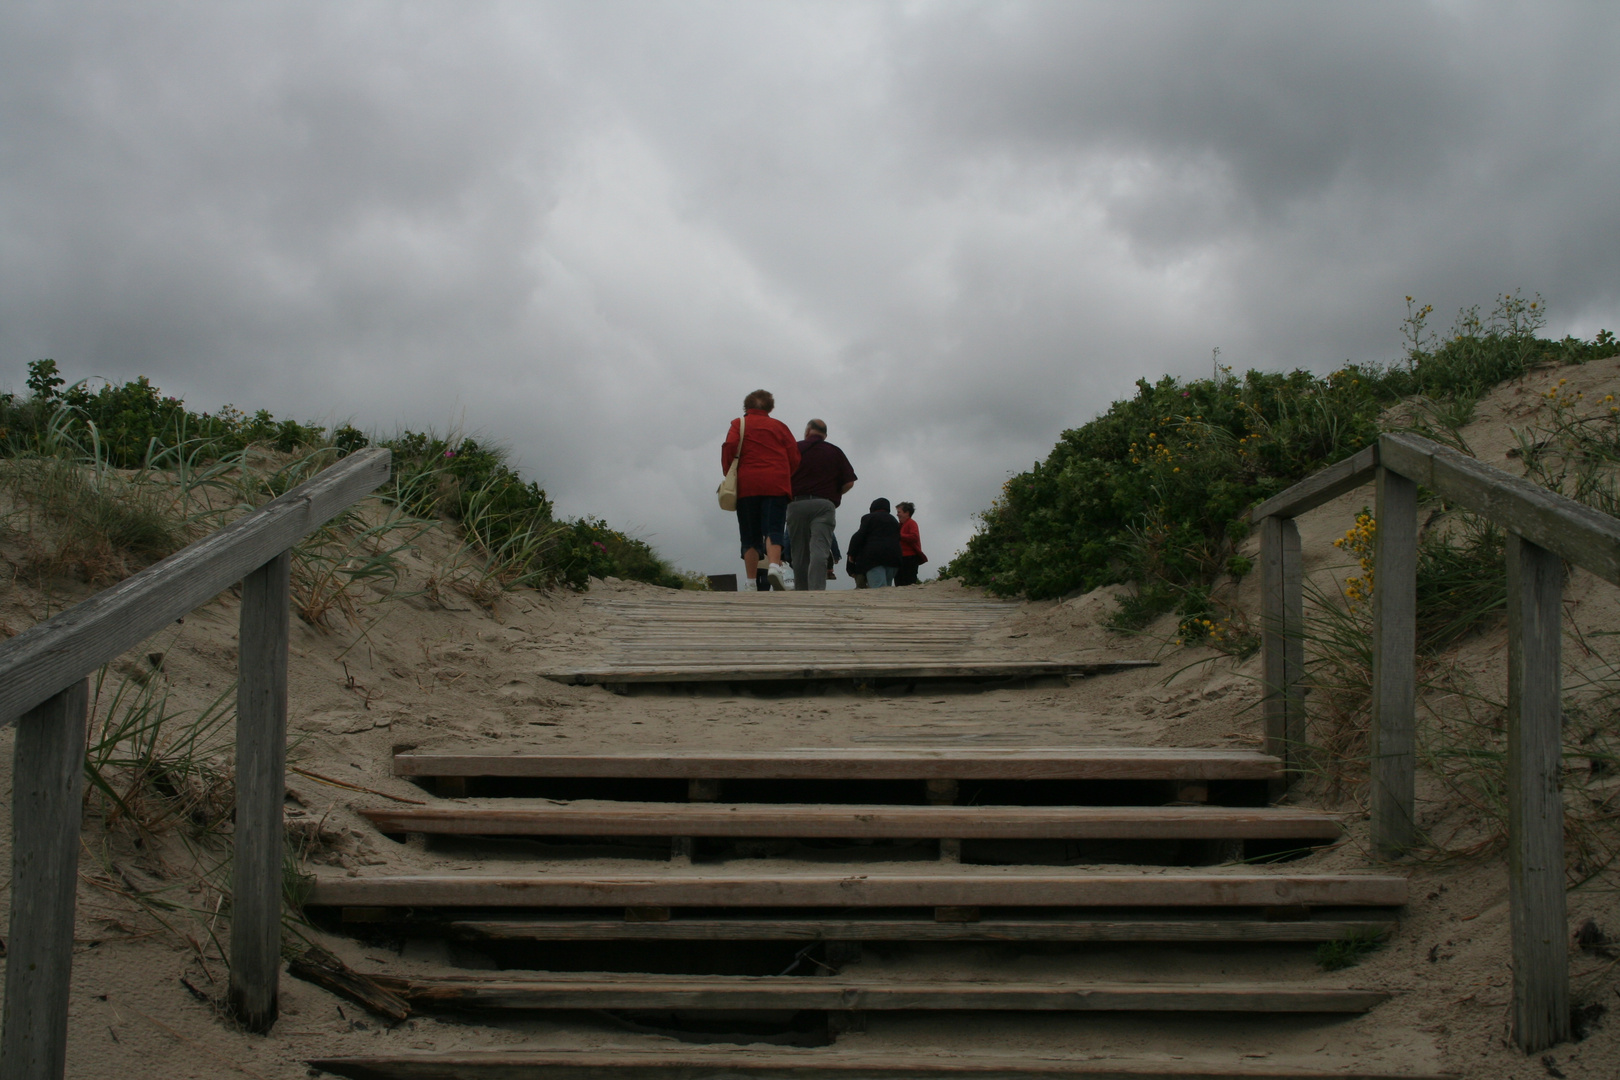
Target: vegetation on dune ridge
(1156, 491)
(99, 484)
(104, 466)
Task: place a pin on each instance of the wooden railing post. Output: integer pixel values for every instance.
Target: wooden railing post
(1294, 647)
(48, 803)
(1535, 807)
(1282, 642)
(261, 761)
(1394, 673)
(1273, 638)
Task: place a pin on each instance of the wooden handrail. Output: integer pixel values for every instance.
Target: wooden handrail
(1320, 487)
(1586, 537)
(44, 689)
(1544, 528)
(56, 653)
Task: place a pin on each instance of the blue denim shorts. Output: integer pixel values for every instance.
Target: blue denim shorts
(761, 518)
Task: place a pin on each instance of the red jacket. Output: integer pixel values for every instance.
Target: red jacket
(910, 538)
(770, 454)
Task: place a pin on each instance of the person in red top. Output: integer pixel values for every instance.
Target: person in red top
(911, 552)
(769, 454)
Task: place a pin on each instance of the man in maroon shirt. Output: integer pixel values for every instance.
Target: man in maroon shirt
(819, 483)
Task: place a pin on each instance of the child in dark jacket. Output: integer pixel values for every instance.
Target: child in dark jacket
(874, 550)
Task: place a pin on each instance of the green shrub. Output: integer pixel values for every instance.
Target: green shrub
(509, 522)
(1156, 490)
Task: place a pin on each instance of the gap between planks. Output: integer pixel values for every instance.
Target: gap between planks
(753, 1063)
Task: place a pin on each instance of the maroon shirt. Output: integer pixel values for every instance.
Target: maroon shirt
(823, 471)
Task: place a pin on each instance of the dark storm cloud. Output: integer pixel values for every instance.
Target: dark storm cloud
(951, 229)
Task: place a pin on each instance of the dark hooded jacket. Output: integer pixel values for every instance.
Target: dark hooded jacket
(877, 541)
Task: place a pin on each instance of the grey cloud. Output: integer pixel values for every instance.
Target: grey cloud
(952, 229)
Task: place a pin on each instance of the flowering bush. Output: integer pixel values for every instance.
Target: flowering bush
(1360, 541)
(1157, 490)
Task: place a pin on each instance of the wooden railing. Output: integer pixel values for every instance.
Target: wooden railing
(44, 689)
(1543, 530)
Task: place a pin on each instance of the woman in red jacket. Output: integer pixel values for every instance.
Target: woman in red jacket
(769, 454)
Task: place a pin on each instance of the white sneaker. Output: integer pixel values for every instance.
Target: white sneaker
(778, 578)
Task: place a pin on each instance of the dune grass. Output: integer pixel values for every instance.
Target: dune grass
(1462, 714)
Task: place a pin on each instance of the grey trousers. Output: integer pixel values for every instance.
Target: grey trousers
(810, 524)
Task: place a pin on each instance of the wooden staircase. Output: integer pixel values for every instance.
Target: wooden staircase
(1083, 845)
(809, 894)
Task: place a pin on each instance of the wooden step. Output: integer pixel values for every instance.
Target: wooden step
(603, 818)
(603, 990)
(969, 887)
(860, 763)
(1117, 928)
(754, 1063)
(765, 671)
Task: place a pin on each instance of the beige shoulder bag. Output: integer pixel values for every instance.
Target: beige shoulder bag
(728, 487)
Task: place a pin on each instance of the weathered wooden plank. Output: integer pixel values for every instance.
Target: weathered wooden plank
(893, 929)
(1293, 687)
(814, 763)
(49, 656)
(261, 760)
(1273, 639)
(604, 818)
(1586, 537)
(1535, 729)
(756, 1063)
(1320, 487)
(768, 672)
(595, 990)
(47, 804)
(1394, 727)
(969, 888)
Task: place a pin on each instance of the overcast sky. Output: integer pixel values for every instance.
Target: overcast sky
(951, 229)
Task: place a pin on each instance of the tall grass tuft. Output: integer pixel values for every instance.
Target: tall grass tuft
(88, 518)
(153, 768)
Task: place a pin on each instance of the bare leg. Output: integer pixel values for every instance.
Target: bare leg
(774, 551)
(751, 561)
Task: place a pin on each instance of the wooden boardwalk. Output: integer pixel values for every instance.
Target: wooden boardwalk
(899, 634)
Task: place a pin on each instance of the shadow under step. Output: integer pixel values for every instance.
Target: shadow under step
(721, 993)
(973, 887)
(977, 671)
(1074, 929)
(800, 820)
(684, 1064)
(823, 763)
